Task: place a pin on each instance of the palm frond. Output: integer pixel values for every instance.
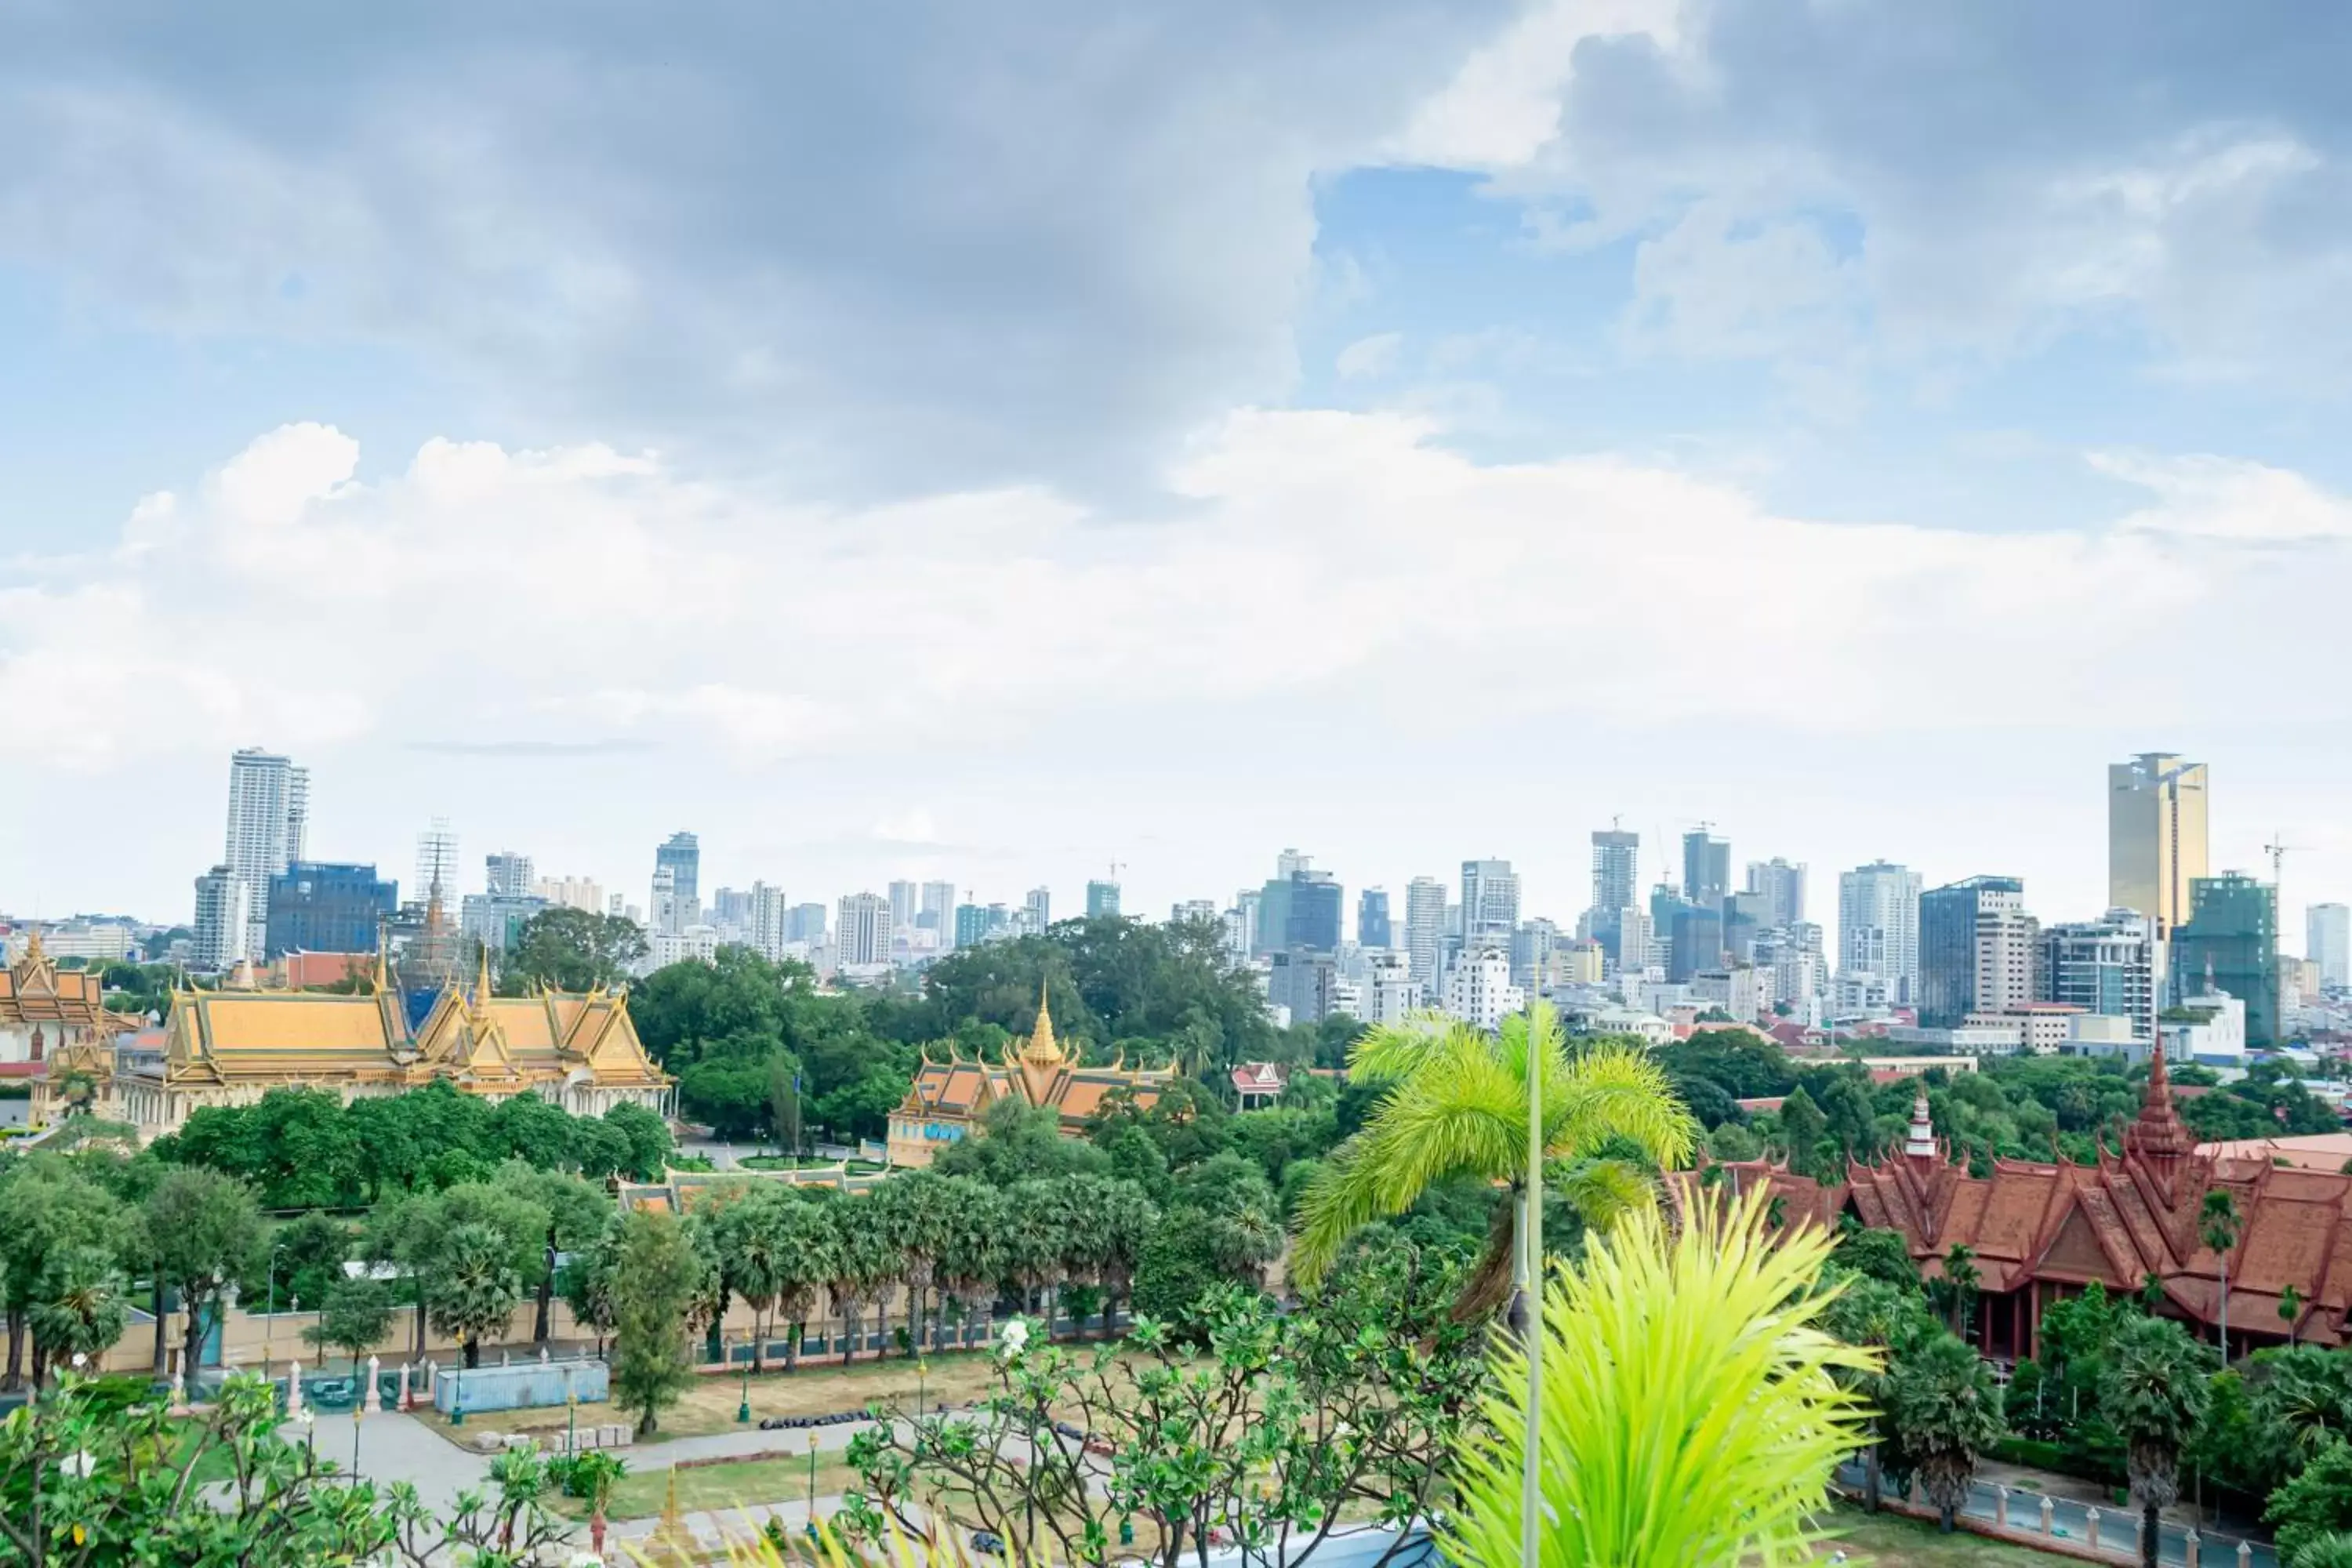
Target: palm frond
(1690, 1415)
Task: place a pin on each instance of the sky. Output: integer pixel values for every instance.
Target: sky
(999, 444)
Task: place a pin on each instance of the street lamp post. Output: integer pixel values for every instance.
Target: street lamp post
(744, 1407)
(812, 1489)
(922, 1370)
(458, 1384)
(571, 1416)
(355, 1437)
(269, 1322)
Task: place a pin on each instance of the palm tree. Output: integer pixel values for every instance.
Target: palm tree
(1457, 1105)
(1953, 1292)
(1889, 1321)
(475, 1288)
(1947, 1410)
(79, 1307)
(803, 1244)
(747, 1233)
(914, 1218)
(2153, 1390)
(1126, 1220)
(858, 1264)
(1035, 1242)
(2217, 1227)
(2290, 1312)
(973, 1262)
(1691, 1412)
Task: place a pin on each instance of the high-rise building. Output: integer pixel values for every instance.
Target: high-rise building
(903, 905)
(767, 921)
(938, 908)
(1532, 946)
(1290, 861)
(1037, 906)
(269, 821)
(1425, 930)
(1303, 981)
(495, 921)
(1949, 919)
(1102, 899)
(1616, 871)
(731, 910)
(1707, 868)
(318, 906)
(509, 875)
(971, 924)
(1373, 919)
(1490, 905)
(805, 923)
(1479, 989)
(2007, 954)
(2156, 838)
(1878, 930)
(1194, 911)
(2231, 940)
(1695, 943)
(2327, 941)
(681, 856)
(1636, 941)
(220, 924)
(1247, 903)
(1780, 887)
(668, 917)
(2107, 967)
(1391, 994)
(1792, 955)
(862, 933)
(572, 892)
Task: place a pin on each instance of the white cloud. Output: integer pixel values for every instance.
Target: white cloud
(496, 593)
(1366, 357)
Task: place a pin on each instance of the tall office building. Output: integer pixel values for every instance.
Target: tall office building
(1878, 930)
(1706, 869)
(903, 896)
(1290, 861)
(2106, 965)
(681, 856)
(220, 918)
(1037, 907)
(1780, 889)
(767, 920)
(1102, 899)
(1373, 919)
(1425, 930)
(938, 908)
(1302, 981)
(2327, 943)
(1490, 905)
(268, 820)
(327, 907)
(1695, 943)
(2008, 953)
(862, 932)
(1616, 867)
(1193, 911)
(1532, 946)
(508, 875)
(805, 923)
(572, 892)
(668, 919)
(1949, 919)
(2231, 941)
(2156, 838)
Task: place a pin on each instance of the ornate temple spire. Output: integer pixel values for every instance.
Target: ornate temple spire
(1921, 1142)
(1043, 1049)
(2158, 1135)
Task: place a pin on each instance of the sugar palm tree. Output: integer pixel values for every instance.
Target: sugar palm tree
(1953, 1292)
(747, 1236)
(1457, 1106)
(2290, 1312)
(860, 1264)
(915, 1220)
(1692, 1408)
(478, 1287)
(973, 1263)
(1888, 1319)
(81, 1305)
(1125, 1223)
(2153, 1390)
(1946, 1407)
(804, 1244)
(2217, 1227)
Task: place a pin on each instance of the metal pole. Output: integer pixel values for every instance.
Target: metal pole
(1531, 1285)
(355, 1438)
(743, 1409)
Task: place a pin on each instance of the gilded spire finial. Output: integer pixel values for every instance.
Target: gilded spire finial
(482, 980)
(1043, 1049)
(383, 961)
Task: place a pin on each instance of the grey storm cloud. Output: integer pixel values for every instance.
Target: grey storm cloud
(882, 246)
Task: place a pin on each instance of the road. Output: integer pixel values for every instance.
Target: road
(2118, 1527)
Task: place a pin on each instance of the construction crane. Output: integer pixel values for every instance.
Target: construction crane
(2278, 849)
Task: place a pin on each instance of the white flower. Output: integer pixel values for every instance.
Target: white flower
(78, 1465)
(1015, 1339)
(79, 1361)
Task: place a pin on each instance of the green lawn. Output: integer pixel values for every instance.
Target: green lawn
(1889, 1540)
(790, 1163)
(744, 1483)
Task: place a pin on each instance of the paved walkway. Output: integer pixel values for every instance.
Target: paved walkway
(2118, 1527)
